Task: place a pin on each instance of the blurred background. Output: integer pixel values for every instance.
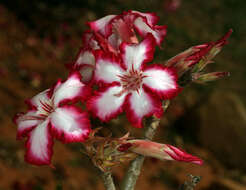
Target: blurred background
(37, 38)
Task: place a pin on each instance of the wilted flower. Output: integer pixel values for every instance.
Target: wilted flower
(50, 116)
(131, 85)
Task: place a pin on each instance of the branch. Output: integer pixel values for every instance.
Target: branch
(134, 169)
(190, 185)
(108, 181)
(132, 174)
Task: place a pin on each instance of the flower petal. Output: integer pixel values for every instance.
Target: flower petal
(39, 145)
(70, 124)
(151, 18)
(107, 69)
(86, 72)
(161, 81)
(124, 31)
(140, 104)
(85, 64)
(89, 40)
(26, 122)
(159, 32)
(114, 40)
(102, 25)
(181, 156)
(35, 103)
(107, 103)
(135, 55)
(85, 57)
(70, 90)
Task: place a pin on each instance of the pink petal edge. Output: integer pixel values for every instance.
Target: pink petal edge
(180, 155)
(103, 25)
(94, 110)
(82, 119)
(83, 93)
(163, 94)
(31, 158)
(150, 18)
(107, 57)
(21, 133)
(134, 119)
(158, 32)
(149, 44)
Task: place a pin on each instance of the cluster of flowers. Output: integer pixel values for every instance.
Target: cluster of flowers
(114, 56)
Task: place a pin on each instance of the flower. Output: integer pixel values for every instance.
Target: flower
(159, 151)
(122, 28)
(49, 116)
(109, 32)
(128, 84)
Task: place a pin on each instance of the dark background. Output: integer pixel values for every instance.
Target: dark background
(37, 38)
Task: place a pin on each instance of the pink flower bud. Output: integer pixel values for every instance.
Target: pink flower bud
(208, 53)
(197, 57)
(162, 151)
(179, 155)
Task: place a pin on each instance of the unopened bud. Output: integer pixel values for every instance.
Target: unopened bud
(162, 151)
(196, 58)
(180, 57)
(185, 60)
(203, 78)
(213, 49)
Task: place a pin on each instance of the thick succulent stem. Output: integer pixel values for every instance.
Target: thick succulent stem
(134, 169)
(132, 174)
(108, 181)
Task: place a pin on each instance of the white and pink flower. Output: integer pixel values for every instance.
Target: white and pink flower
(49, 116)
(109, 32)
(129, 84)
(123, 28)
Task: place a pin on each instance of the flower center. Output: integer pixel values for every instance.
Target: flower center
(131, 81)
(46, 108)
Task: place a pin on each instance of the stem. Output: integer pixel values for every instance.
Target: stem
(108, 181)
(190, 185)
(132, 173)
(134, 169)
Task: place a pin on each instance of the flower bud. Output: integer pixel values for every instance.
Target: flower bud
(196, 58)
(211, 51)
(162, 151)
(203, 78)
